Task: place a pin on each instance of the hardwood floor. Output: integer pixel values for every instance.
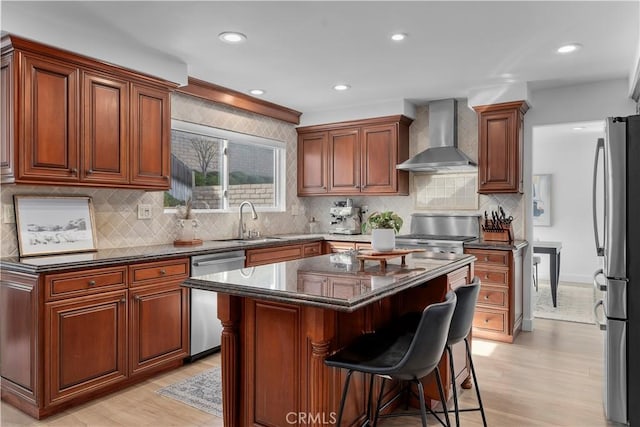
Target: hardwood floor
(550, 377)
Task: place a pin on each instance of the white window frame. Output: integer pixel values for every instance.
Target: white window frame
(279, 167)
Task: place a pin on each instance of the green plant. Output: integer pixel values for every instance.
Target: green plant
(387, 219)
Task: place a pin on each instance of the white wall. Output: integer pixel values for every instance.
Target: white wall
(568, 156)
(577, 103)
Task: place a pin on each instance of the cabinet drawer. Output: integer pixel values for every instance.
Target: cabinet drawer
(332, 247)
(148, 273)
(490, 296)
(65, 285)
(312, 249)
(458, 278)
(491, 276)
(275, 254)
(493, 258)
(490, 320)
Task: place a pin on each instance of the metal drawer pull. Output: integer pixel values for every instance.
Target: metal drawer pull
(486, 297)
(486, 320)
(137, 297)
(123, 300)
(486, 276)
(486, 258)
(163, 272)
(92, 283)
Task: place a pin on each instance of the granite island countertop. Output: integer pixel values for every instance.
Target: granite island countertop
(292, 281)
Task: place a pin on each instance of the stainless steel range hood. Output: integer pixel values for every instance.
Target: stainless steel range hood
(443, 154)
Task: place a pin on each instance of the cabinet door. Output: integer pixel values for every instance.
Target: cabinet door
(500, 148)
(344, 161)
(85, 344)
(49, 125)
(159, 326)
(379, 159)
(312, 163)
(105, 129)
(7, 115)
(150, 137)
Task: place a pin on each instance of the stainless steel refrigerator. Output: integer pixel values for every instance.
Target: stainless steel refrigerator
(620, 249)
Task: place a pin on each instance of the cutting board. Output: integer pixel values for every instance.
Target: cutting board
(383, 257)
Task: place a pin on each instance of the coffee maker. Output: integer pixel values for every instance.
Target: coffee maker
(344, 218)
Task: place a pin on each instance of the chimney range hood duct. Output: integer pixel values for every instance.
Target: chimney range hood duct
(443, 154)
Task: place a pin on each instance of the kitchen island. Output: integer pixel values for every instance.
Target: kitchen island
(280, 321)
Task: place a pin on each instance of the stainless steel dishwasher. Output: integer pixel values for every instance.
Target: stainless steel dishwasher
(206, 328)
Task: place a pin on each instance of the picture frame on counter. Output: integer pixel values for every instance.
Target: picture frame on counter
(49, 225)
(542, 200)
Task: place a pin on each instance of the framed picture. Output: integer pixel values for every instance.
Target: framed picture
(54, 225)
(542, 200)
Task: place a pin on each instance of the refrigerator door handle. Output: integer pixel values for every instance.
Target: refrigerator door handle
(602, 326)
(599, 149)
(597, 285)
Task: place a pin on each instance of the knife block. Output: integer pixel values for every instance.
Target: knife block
(504, 235)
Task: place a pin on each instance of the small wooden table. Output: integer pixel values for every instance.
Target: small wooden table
(553, 250)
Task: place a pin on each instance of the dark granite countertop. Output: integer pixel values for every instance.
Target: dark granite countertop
(106, 257)
(516, 245)
(284, 281)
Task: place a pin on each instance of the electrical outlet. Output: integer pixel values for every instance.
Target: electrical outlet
(144, 211)
(295, 210)
(8, 215)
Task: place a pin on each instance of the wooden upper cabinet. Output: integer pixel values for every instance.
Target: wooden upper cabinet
(344, 161)
(354, 157)
(105, 129)
(49, 128)
(7, 117)
(379, 159)
(150, 137)
(500, 147)
(71, 120)
(312, 163)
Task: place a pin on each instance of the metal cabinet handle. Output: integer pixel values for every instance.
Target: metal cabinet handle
(90, 171)
(486, 320)
(73, 171)
(486, 258)
(486, 276)
(486, 297)
(163, 272)
(602, 326)
(92, 283)
(123, 300)
(137, 297)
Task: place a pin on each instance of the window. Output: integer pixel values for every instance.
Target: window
(218, 169)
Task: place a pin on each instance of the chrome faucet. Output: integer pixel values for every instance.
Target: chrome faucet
(254, 215)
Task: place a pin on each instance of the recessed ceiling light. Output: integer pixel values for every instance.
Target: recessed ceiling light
(398, 37)
(569, 48)
(256, 92)
(341, 87)
(232, 37)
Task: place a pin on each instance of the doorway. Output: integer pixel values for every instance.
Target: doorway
(562, 167)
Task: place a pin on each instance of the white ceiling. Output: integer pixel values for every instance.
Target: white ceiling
(297, 50)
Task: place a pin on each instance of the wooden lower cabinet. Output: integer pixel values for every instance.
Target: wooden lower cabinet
(159, 326)
(67, 337)
(498, 313)
(85, 345)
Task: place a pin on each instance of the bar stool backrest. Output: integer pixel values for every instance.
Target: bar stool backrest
(462, 320)
(429, 340)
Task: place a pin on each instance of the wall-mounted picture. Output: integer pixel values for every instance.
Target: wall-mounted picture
(542, 200)
(53, 225)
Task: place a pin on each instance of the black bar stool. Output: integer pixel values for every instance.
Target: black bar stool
(461, 324)
(398, 353)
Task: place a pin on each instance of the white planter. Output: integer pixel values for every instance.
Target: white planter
(383, 239)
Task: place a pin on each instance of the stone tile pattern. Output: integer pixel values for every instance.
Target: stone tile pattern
(116, 209)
